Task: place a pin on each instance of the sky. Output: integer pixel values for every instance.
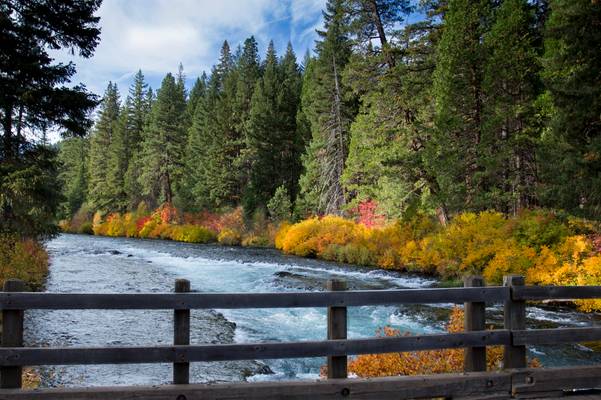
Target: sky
(156, 35)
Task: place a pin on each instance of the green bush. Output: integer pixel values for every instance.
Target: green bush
(86, 228)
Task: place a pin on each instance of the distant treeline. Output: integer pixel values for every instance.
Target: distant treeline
(472, 105)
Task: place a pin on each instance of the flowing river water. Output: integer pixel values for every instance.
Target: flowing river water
(117, 265)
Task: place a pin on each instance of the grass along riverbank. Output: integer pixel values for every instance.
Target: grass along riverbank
(547, 247)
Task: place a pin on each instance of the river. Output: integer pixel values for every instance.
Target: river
(117, 265)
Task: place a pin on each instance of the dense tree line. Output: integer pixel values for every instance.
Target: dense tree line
(476, 105)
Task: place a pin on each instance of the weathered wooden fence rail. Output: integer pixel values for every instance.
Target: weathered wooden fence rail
(515, 381)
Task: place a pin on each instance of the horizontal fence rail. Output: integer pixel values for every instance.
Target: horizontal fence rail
(158, 301)
(556, 292)
(22, 356)
(515, 381)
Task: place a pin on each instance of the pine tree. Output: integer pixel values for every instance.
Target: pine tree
(454, 158)
(371, 19)
(196, 94)
(330, 111)
(138, 110)
(223, 178)
(572, 62)
(510, 128)
(118, 159)
(385, 161)
(164, 141)
(249, 72)
(294, 131)
(99, 194)
(72, 156)
(190, 194)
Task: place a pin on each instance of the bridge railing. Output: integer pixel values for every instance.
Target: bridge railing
(515, 379)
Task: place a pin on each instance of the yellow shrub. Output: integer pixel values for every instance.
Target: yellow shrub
(191, 234)
(281, 235)
(129, 223)
(114, 225)
(510, 258)
(147, 228)
(97, 225)
(312, 236)
(229, 237)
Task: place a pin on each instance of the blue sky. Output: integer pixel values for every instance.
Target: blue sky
(156, 35)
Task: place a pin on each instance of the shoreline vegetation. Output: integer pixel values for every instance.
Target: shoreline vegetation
(548, 248)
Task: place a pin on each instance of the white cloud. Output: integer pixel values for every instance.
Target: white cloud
(156, 35)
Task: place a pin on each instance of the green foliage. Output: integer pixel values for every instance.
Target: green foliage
(273, 144)
(100, 195)
(572, 62)
(73, 173)
(511, 131)
(29, 194)
(329, 107)
(280, 206)
(163, 148)
(453, 151)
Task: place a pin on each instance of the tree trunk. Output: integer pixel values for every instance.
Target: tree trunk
(377, 19)
(7, 126)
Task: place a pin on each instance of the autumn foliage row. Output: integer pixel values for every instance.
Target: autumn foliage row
(167, 222)
(542, 246)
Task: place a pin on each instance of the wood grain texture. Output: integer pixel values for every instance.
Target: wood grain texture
(515, 319)
(181, 334)
(337, 329)
(474, 320)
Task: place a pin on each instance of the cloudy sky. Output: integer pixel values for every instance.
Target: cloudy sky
(156, 35)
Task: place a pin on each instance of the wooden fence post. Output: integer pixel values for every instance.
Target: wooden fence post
(181, 334)
(337, 367)
(474, 359)
(515, 319)
(12, 336)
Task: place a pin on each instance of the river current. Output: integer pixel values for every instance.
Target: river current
(116, 265)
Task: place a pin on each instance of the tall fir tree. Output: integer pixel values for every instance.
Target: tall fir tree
(138, 106)
(190, 193)
(461, 55)
(164, 141)
(118, 159)
(385, 162)
(73, 159)
(99, 194)
(329, 110)
(272, 133)
(222, 176)
(572, 65)
(511, 130)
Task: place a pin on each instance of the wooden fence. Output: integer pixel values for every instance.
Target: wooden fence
(514, 381)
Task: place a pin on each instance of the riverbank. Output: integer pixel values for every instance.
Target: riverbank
(547, 247)
(24, 259)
